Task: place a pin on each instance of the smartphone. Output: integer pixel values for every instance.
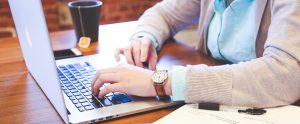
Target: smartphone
(67, 53)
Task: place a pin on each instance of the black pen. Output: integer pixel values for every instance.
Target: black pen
(218, 107)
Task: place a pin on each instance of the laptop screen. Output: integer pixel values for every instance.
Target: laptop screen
(34, 39)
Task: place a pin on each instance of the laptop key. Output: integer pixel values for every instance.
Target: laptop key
(87, 94)
(69, 94)
(68, 73)
(68, 84)
(89, 107)
(71, 87)
(80, 87)
(72, 98)
(65, 82)
(64, 88)
(77, 74)
(80, 77)
(75, 101)
(88, 85)
(96, 104)
(63, 78)
(86, 82)
(70, 66)
(79, 97)
(81, 109)
(85, 104)
(76, 94)
(105, 102)
(66, 91)
(74, 91)
(124, 98)
(78, 105)
(114, 99)
(84, 90)
(82, 100)
(75, 82)
(72, 78)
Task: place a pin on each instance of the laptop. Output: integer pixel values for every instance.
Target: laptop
(66, 82)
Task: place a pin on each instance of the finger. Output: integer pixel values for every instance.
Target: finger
(137, 54)
(145, 50)
(104, 78)
(128, 54)
(95, 79)
(118, 52)
(152, 61)
(95, 88)
(117, 87)
(102, 71)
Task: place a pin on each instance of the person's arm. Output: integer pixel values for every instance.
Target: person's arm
(168, 17)
(155, 26)
(272, 80)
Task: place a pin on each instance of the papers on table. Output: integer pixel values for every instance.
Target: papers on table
(189, 114)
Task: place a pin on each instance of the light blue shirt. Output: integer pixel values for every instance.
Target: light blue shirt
(231, 38)
(232, 33)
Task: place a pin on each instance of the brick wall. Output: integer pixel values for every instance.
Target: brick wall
(112, 11)
(6, 20)
(124, 10)
(51, 14)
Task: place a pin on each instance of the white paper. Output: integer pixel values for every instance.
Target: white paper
(189, 114)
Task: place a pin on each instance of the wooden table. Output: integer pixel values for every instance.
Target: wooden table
(22, 101)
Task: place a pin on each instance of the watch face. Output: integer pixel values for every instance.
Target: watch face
(159, 76)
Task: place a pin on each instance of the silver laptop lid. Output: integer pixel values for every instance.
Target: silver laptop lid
(37, 51)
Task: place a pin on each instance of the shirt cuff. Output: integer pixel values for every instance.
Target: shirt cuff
(148, 35)
(178, 83)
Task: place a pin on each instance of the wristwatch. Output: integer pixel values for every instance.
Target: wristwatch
(158, 78)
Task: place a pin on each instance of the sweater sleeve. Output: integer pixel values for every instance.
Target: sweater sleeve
(167, 18)
(268, 81)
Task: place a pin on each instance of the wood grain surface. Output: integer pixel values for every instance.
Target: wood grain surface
(22, 101)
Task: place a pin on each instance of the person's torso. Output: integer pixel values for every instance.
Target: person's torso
(231, 33)
(253, 31)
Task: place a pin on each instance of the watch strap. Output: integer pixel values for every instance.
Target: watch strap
(160, 90)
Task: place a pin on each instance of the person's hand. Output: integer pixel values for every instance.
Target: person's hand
(139, 52)
(124, 78)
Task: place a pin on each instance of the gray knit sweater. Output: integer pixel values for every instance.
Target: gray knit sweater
(273, 79)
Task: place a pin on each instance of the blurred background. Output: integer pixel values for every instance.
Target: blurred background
(58, 17)
(113, 11)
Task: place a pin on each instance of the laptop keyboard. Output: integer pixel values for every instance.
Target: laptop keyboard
(76, 84)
